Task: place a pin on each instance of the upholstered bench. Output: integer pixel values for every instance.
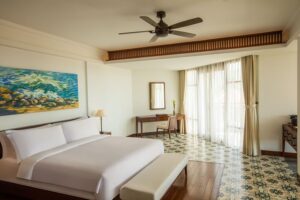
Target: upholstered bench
(155, 179)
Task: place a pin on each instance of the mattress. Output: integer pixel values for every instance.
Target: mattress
(8, 173)
(96, 165)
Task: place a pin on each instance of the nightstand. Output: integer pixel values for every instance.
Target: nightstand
(105, 133)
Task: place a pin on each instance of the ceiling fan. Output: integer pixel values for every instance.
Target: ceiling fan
(162, 29)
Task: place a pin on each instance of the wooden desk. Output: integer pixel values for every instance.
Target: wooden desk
(289, 134)
(156, 118)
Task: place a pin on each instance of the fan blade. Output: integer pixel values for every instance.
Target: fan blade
(149, 20)
(186, 23)
(154, 38)
(183, 34)
(135, 32)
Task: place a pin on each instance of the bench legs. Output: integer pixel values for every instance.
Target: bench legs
(185, 173)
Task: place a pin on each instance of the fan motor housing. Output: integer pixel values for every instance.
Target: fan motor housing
(161, 14)
(162, 30)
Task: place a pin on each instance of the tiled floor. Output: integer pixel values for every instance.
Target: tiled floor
(244, 177)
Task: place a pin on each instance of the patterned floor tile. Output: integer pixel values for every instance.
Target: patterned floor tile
(244, 177)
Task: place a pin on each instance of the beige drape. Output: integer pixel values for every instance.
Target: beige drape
(181, 99)
(251, 144)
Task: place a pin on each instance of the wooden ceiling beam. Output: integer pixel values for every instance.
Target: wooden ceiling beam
(242, 41)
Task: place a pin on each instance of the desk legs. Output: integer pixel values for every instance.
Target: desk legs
(137, 129)
(178, 126)
(181, 125)
(141, 129)
(283, 141)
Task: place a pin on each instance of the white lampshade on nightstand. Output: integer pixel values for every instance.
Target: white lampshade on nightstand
(100, 113)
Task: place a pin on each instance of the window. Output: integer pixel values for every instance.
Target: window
(214, 103)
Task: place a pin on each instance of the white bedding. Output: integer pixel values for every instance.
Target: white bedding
(8, 173)
(98, 164)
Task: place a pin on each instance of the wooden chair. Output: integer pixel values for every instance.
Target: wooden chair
(170, 127)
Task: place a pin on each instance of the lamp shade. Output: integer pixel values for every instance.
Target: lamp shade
(100, 113)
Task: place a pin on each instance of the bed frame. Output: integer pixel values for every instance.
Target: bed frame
(17, 191)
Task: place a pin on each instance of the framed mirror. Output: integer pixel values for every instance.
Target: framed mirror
(157, 95)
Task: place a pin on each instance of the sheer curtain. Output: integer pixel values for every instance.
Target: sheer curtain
(214, 103)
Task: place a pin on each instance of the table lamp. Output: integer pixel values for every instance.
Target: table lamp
(100, 113)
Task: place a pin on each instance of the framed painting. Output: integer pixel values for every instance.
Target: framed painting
(27, 91)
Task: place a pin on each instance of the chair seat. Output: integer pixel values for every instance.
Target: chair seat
(170, 127)
(162, 126)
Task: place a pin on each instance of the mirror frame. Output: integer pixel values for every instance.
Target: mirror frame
(150, 91)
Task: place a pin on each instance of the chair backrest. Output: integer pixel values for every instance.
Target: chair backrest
(172, 123)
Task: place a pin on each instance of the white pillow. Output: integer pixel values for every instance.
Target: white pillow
(8, 150)
(75, 130)
(32, 141)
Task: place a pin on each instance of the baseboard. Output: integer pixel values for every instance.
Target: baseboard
(263, 152)
(279, 153)
(147, 134)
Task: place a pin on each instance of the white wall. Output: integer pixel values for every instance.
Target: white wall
(111, 89)
(106, 87)
(140, 89)
(14, 35)
(277, 97)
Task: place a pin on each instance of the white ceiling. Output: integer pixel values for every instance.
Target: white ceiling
(191, 61)
(98, 22)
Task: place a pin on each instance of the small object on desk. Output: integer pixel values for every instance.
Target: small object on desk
(105, 132)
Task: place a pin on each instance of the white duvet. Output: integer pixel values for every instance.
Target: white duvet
(98, 164)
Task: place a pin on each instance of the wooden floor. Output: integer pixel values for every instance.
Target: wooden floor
(203, 182)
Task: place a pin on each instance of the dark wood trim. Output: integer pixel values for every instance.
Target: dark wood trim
(279, 153)
(22, 191)
(242, 41)
(38, 125)
(1, 151)
(144, 134)
(289, 135)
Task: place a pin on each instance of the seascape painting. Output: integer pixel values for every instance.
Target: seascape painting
(26, 91)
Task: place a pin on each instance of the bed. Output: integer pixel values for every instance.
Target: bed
(93, 167)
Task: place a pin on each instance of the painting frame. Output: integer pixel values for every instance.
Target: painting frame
(25, 90)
